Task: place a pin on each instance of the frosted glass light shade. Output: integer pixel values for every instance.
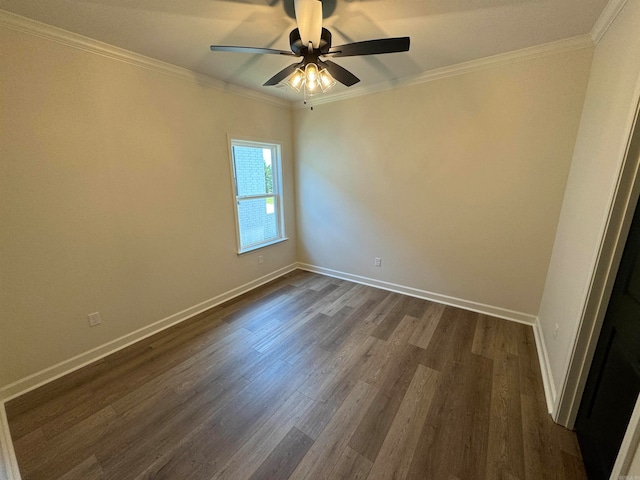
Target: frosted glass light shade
(326, 80)
(296, 80)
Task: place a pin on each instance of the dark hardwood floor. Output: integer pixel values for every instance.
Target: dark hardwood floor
(306, 377)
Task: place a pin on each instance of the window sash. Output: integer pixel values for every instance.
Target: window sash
(250, 197)
(245, 232)
(276, 194)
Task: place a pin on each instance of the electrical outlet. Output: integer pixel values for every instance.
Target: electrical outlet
(260, 259)
(94, 319)
(555, 331)
(377, 262)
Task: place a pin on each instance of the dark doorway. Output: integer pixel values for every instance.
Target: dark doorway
(614, 379)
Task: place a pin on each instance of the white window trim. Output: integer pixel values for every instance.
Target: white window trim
(277, 187)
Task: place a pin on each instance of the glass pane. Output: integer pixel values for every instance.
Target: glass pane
(258, 221)
(254, 171)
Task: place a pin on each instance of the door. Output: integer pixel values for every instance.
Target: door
(614, 378)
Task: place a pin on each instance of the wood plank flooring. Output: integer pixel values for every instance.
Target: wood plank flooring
(308, 377)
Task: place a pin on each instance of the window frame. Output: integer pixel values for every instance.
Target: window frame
(277, 187)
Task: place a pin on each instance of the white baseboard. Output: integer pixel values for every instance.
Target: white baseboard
(9, 467)
(67, 366)
(434, 297)
(8, 463)
(545, 369)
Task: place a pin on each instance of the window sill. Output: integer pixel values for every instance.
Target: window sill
(262, 245)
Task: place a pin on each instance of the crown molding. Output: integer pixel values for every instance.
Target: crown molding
(74, 40)
(58, 35)
(606, 18)
(530, 53)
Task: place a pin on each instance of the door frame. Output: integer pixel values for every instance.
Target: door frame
(624, 199)
(629, 446)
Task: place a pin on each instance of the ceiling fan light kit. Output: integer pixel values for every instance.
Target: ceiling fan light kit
(311, 80)
(311, 41)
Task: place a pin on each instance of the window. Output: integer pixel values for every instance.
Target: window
(257, 182)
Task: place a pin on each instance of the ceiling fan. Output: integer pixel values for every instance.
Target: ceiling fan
(311, 41)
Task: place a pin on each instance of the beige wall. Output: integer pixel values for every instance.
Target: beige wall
(456, 184)
(610, 105)
(115, 196)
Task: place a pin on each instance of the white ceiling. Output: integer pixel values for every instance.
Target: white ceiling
(443, 32)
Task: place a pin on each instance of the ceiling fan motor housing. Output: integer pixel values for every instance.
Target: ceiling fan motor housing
(300, 49)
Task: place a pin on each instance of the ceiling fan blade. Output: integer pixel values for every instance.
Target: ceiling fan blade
(309, 19)
(281, 75)
(371, 47)
(341, 74)
(253, 50)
